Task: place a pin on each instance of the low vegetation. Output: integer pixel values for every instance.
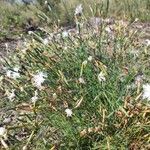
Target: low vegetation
(83, 88)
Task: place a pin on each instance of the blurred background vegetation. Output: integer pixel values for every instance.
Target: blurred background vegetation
(62, 11)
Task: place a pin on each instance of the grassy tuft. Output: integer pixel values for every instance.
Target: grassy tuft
(79, 88)
(108, 110)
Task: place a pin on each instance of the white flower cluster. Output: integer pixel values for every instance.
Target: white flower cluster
(65, 34)
(68, 112)
(38, 79)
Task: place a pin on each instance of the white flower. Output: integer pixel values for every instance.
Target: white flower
(24, 147)
(9, 73)
(85, 62)
(45, 41)
(108, 29)
(81, 80)
(101, 77)
(13, 74)
(16, 69)
(3, 132)
(147, 41)
(78, 10)
(65, 34)
(38, 79)
(65, 48)
(21, 89)
(54, 95)
(6, 45)
(45, 2)
(136, 19)
(90, 58)
(7, 120)
(35, 97)
(30, 32)
(16, 75)
(68, 112)
(11, 95)
(146, 92)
